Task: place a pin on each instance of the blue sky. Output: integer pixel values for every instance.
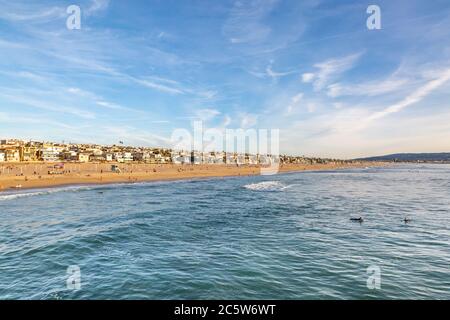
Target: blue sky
(137, 70)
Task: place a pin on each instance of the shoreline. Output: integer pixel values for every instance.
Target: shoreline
(37, 175)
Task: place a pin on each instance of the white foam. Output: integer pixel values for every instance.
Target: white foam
(266, 186)
(17, 195)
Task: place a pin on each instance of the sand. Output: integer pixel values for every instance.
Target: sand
(44, 175)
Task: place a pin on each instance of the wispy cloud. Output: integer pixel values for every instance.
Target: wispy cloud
(329, 70)
(370, 89)
(30, 13)
(248, 120)
(295, 100)
(45, 105)
(245, 25)
(157, 86)
(96, 6)
(9, 118)
(206, 114)
(415, 97)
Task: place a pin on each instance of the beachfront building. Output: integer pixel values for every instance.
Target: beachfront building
(196, 157)
(181, 157)
(29, 153)
(11, 150)
(123, 157)
(127, 157)
(83, 157)
(147, 157)
(213, 157)
(264, 159)
(96, 158)
(108, 157)
(11, 142)
(251, 159)
(69, 155)
(118, 156)
(11, 153)
(50, 153)
(139, 156)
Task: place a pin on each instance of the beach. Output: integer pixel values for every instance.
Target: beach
(44, 175)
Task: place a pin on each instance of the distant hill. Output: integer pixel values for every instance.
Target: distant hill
(409, 157)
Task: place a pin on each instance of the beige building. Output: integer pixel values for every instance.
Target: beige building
(28, 153)
(11, 153)
(83, 157)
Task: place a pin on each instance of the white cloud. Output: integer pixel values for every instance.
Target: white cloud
(39, 104)
(275, 75)
(110, 105)
(244, 25)
(294, 103)
(308, 77)
(206, 114)
(96, 6)
(372, 88)
(330, 70)
(157, 86)
(417, 96)
(248, 120)
(15, 13)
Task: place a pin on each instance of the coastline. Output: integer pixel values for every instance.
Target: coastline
(24, 176)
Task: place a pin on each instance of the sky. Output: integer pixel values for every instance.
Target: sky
(138, 70)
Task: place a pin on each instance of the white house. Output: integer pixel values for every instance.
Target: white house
(50, 153)
(127, 157)
(108, 157)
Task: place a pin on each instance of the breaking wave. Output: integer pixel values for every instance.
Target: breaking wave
(266, 186)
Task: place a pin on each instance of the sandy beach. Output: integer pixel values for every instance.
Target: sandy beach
(43, 175)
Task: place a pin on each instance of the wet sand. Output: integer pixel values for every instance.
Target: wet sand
(44, 175)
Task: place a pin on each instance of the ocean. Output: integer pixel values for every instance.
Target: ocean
(287, 236)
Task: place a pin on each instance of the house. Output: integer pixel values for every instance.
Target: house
(83, 157)
(139, 156)
(108, 157)
(29, 153)
(127, 157)
(123, 157)
(49, 153)
(118, 156)
(97, 158)
(12, 154)
(69, 156)
(181, 157)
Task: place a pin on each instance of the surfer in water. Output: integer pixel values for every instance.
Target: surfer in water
(360, 219)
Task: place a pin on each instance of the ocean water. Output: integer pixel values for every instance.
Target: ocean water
(275, 237)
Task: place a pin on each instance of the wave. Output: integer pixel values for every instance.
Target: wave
(266, 186)
(12, 196)
(4, 196)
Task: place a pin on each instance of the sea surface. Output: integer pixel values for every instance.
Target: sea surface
(287, 236)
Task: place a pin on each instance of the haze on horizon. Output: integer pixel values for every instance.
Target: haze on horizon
(136, 71)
